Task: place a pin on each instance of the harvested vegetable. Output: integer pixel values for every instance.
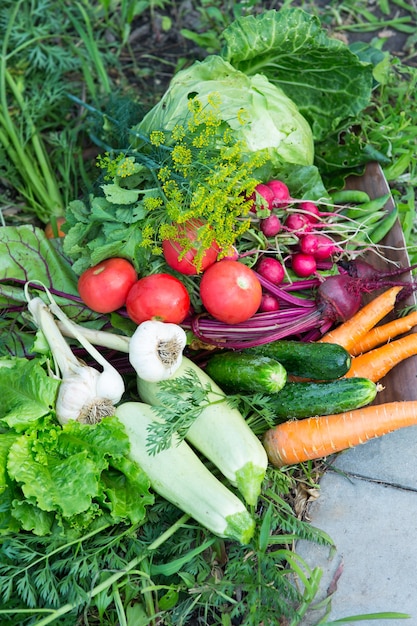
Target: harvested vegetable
(317, 437)
(378, 362)
(385, 332)
(155, 349)
(243, 372)
(179, 476)
(85, 394)
(307, 359)
(104, 287)
(352, 330)
(220, 433)
(306, 399)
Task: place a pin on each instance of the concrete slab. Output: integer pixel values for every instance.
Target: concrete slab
(390, 459)
(374, 528)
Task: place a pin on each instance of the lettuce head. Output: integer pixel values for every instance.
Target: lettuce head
(258, 112)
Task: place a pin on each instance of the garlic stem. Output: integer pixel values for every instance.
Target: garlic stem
(96, 337)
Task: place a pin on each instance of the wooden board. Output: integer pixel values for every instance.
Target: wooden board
(401, 382)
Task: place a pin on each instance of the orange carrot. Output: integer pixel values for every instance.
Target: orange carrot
(381, 334)
(349, 333)
(316, 437)
(378, 362)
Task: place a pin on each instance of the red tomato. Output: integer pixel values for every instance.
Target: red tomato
(172, 250)
(104, 287)
(158, 296)
(230, 291)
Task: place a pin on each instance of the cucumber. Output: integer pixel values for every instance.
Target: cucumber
(179, 476)
(319, 361)
(307, 399)
(236, 371)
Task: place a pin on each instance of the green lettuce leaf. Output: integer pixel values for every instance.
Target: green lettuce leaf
(28, 394)
(71, 476)
(328, 82)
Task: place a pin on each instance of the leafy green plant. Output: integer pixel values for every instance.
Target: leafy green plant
(48, 49)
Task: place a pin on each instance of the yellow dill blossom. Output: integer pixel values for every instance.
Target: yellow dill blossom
(109, 163)
(181, 157)
(157, 137)
(243, 117)
(127, 167)
(214, 99)
(152, 202)
(164, 173)
(148, 236)
(178, 132)
(167, 231)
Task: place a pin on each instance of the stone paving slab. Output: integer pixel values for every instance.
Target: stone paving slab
(374, 527)
(391, 459)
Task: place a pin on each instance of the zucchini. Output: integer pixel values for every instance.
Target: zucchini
(179, 476)
(307, 399)
(241, 372)
(319, 361)
(221, 434)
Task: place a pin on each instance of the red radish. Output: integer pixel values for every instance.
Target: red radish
(269, 303)
(262, 197)
(312, 210)
(298, 223)
(320, 246)
(303, 264)
(271, 225)
(271, 269)
(281, 193)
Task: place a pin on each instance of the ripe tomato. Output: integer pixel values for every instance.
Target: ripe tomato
(186, 265)
(230, 291)
(158, 296)
(104, 287)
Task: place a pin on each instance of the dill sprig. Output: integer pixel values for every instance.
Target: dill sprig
(198, 170)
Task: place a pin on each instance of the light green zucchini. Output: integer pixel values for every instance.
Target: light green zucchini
(179, 476)
(221, 434)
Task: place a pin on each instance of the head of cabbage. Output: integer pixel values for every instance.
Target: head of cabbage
(258, 112)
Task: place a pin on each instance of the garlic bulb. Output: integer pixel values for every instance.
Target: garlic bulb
(85, 393)
(155, 350)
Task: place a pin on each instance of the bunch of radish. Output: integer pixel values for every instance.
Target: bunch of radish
(303, 221)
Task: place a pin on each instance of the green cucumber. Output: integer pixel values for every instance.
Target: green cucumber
(307, 399)
(319, 361)
(240, 372)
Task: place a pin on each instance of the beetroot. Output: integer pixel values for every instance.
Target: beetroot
(339, 297)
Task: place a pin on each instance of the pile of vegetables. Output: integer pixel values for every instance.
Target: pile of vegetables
(202, 314)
